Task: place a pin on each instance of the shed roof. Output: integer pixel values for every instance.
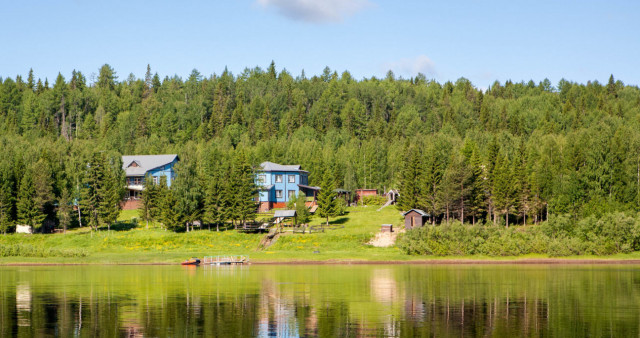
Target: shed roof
(308, 187)
(422, 213)
(145, 163)
(284, 213)
(270, 166)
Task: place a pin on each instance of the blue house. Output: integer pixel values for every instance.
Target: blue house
(137, 167)
(280, 183)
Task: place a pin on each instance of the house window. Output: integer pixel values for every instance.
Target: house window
(278, 193)
(262, 178)
(135, 180)
(303, 179)
(278, 178)
(156, 180)
(292, 194)
(292, 179)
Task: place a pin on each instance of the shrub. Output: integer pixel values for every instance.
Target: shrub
(374, 200)
(24, 250)
(560, 236)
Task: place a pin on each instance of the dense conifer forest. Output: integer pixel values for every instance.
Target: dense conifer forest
(515, 153)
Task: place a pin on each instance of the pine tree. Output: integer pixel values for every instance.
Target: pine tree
(327, 195)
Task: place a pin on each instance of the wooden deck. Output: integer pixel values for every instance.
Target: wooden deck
(224, 260)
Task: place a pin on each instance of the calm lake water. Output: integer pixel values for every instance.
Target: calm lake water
(321, 300)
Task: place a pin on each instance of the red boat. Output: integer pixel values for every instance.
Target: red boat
(191, 261)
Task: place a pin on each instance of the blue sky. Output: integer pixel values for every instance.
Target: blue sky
(483, 41)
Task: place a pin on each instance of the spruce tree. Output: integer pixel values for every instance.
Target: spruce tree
(89, 198)
(477, 187)
(110, 189)
(327, 195)
(411, 194)
(187, 193)
(302, 211)
(504, 191)
(214, 195)
(6, 198)
(65, 208)
(147, 200)
(246, 190)
(29, 212)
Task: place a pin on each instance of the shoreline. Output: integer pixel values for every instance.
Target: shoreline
(444, 261)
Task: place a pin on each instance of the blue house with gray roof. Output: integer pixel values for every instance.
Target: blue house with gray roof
(137, 167)
(279, 183)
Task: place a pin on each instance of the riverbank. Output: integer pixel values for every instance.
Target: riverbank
(632, 259)
(347, 243)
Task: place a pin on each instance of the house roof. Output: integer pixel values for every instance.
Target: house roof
(145, 163)
(284, 213)
(422, 213)
(308, 187)
(270, 166)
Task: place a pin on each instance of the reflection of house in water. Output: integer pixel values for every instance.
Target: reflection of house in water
(23, 304)
(276, 316)
(383, 286)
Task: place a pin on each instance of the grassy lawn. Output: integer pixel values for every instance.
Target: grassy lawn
(131, 242)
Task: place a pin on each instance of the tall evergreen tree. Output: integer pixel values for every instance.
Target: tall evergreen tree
(477, 186)
(65, 208)
(147, 200)
(246, 190)
(411, 188)
(7, 199)
(327, 196)
(29, 211)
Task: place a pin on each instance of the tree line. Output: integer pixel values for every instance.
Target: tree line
(516, 152)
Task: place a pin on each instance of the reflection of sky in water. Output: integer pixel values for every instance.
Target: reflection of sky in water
(325, 300)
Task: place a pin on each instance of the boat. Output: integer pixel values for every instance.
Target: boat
(191, 261)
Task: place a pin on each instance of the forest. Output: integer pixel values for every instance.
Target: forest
(516, 153)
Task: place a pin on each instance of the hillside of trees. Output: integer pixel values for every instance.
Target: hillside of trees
(515, 153)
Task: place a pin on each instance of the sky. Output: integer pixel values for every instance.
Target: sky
(483, 41)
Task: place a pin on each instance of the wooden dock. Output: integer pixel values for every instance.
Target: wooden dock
(225, 260)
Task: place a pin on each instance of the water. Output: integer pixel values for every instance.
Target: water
(321, 300)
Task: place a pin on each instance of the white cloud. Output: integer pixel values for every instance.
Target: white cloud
(412, 66)
(316, 11)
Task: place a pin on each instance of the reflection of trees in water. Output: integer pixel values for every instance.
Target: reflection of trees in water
(365, 301)
(469, 317)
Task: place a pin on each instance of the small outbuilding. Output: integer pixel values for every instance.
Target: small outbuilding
(281, 215)
(361, 193)
(414, 218)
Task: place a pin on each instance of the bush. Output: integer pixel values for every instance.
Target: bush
(24, 250)
(612, 233)
(374, 200)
